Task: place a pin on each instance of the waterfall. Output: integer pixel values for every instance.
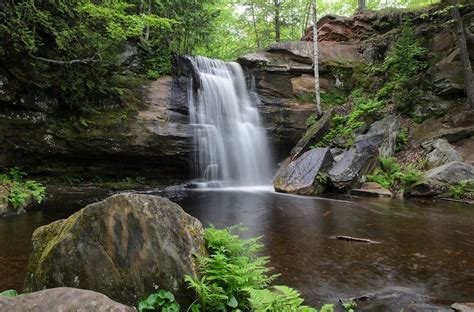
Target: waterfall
(231, 146)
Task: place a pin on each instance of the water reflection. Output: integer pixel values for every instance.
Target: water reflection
(425, 255)
(424, 262)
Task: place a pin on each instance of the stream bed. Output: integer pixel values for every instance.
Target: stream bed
(424, 261)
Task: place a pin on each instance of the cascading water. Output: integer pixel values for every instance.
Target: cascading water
(231, 147)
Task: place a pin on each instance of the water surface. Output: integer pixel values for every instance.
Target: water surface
(424, 262)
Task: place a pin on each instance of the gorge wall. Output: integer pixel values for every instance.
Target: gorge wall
(151, 136)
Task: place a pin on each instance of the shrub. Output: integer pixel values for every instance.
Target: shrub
(343, 126)
(160, 301)
(391, 174)
(21, 190)
(234, 278)
(462, 189)
(402, 140)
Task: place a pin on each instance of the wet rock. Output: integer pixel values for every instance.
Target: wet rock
(438, 180)
(463, 307)
(442, 153)
(124, 247)
(62, 299)
(301, 175)
(372, 189)
(361, 158)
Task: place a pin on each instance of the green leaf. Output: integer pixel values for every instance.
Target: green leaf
(9, 293)
(232, 302)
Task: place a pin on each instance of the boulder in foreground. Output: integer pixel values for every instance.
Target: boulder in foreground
(62, 299)
(125, 247)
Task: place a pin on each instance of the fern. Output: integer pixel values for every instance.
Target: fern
(231, 268)
(282, 299)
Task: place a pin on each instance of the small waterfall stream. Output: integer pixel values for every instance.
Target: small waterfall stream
(231, 146)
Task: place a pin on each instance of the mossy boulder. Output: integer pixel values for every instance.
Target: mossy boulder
(125, 247)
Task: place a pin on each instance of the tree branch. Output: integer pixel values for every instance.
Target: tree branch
(59, 62)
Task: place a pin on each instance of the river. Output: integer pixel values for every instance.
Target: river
(424, 260)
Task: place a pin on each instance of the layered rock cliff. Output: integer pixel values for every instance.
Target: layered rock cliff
(150, 136)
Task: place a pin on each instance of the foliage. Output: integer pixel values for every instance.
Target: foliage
(9, 293)
(79, 51)
(462, 189)
(407, 59)
(391, 173)
(234, 278)
(350, 306)
(162, 301)
(343, 126)
(281, 299)
(20, 190)
(322, 178)
(231, 269)
(402, 140)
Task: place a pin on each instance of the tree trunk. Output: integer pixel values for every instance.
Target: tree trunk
(462, 45)
(277, 20)
(147, 31)
(316, 60)
(254, 21)
(361, 5)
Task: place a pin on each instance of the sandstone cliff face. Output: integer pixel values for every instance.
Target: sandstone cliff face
(154, 140)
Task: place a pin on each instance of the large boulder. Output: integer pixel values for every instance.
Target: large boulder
(361, 158)
(438, 180)
(125, 247)
(301, 175)
(62, 299)
(442, 153)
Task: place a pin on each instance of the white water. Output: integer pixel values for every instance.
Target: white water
(231, 146)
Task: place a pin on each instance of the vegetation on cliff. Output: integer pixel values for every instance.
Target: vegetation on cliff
(21, 191)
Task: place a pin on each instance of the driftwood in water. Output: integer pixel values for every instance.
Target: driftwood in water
(356, 239)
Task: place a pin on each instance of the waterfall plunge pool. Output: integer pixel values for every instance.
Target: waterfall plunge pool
(424, 260)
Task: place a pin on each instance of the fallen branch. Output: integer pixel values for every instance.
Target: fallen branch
(356, 239)
(80, 61)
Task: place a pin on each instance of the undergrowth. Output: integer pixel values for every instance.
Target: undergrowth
(21, 190)
(463, 189)
(344, 126)
(392, 174)
(233, 278)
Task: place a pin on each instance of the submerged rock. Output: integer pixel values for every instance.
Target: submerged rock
(62, 299)
(361, 158)
(124, 247)
(438, 180)
(442, 153)
(301, 175)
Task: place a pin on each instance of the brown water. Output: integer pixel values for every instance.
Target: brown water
(424, 262)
